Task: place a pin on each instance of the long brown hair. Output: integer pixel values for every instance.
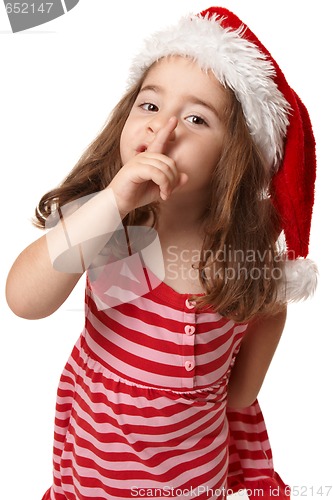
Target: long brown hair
(240, 266)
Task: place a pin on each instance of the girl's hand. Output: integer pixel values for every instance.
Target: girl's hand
(149, 176)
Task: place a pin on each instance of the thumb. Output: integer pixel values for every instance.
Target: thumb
(163, 136)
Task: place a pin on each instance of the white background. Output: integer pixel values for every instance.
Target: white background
(58, 84)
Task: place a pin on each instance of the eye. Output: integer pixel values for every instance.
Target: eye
(148, 106)
(196, 120)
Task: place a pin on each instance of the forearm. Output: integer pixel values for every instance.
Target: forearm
(34, 288)
(45, 273)
(83, 231)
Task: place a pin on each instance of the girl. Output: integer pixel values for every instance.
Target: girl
(176, 212)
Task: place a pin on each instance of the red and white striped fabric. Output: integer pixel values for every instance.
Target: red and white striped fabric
(141, 409)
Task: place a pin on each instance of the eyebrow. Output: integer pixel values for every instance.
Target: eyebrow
(191, 98)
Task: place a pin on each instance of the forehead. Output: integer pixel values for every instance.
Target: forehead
(177, 73)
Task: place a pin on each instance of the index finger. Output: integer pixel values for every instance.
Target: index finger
(162, 136)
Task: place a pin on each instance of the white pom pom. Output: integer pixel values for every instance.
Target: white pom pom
(299, 281)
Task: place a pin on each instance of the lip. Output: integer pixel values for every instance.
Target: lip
(141, 148)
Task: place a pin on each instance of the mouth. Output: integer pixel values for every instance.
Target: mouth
(141, 149)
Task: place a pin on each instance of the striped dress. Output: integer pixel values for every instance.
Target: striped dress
(141, 407)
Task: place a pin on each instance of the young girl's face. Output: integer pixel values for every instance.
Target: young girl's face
(176, 86)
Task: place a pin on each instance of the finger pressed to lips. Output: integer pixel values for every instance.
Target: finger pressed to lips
(163, 136)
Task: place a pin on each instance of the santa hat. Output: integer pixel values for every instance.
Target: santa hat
(276, 117)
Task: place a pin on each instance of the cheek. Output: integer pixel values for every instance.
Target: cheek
(122, 150)
(214, 151)
(209, 152)
(124, 143)
(129, 132)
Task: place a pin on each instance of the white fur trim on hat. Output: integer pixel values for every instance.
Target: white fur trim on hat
(300, 277)
(236, 63)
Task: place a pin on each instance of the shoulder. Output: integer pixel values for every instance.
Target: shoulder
(268, 323)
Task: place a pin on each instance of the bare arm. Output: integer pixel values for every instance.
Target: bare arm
(45, 273)
(34, 288)
(257, 350)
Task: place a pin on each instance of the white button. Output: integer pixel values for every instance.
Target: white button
(189, 304)
(189, 329)
(189, 365)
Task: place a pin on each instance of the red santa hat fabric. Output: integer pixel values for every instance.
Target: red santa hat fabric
(293, 182)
